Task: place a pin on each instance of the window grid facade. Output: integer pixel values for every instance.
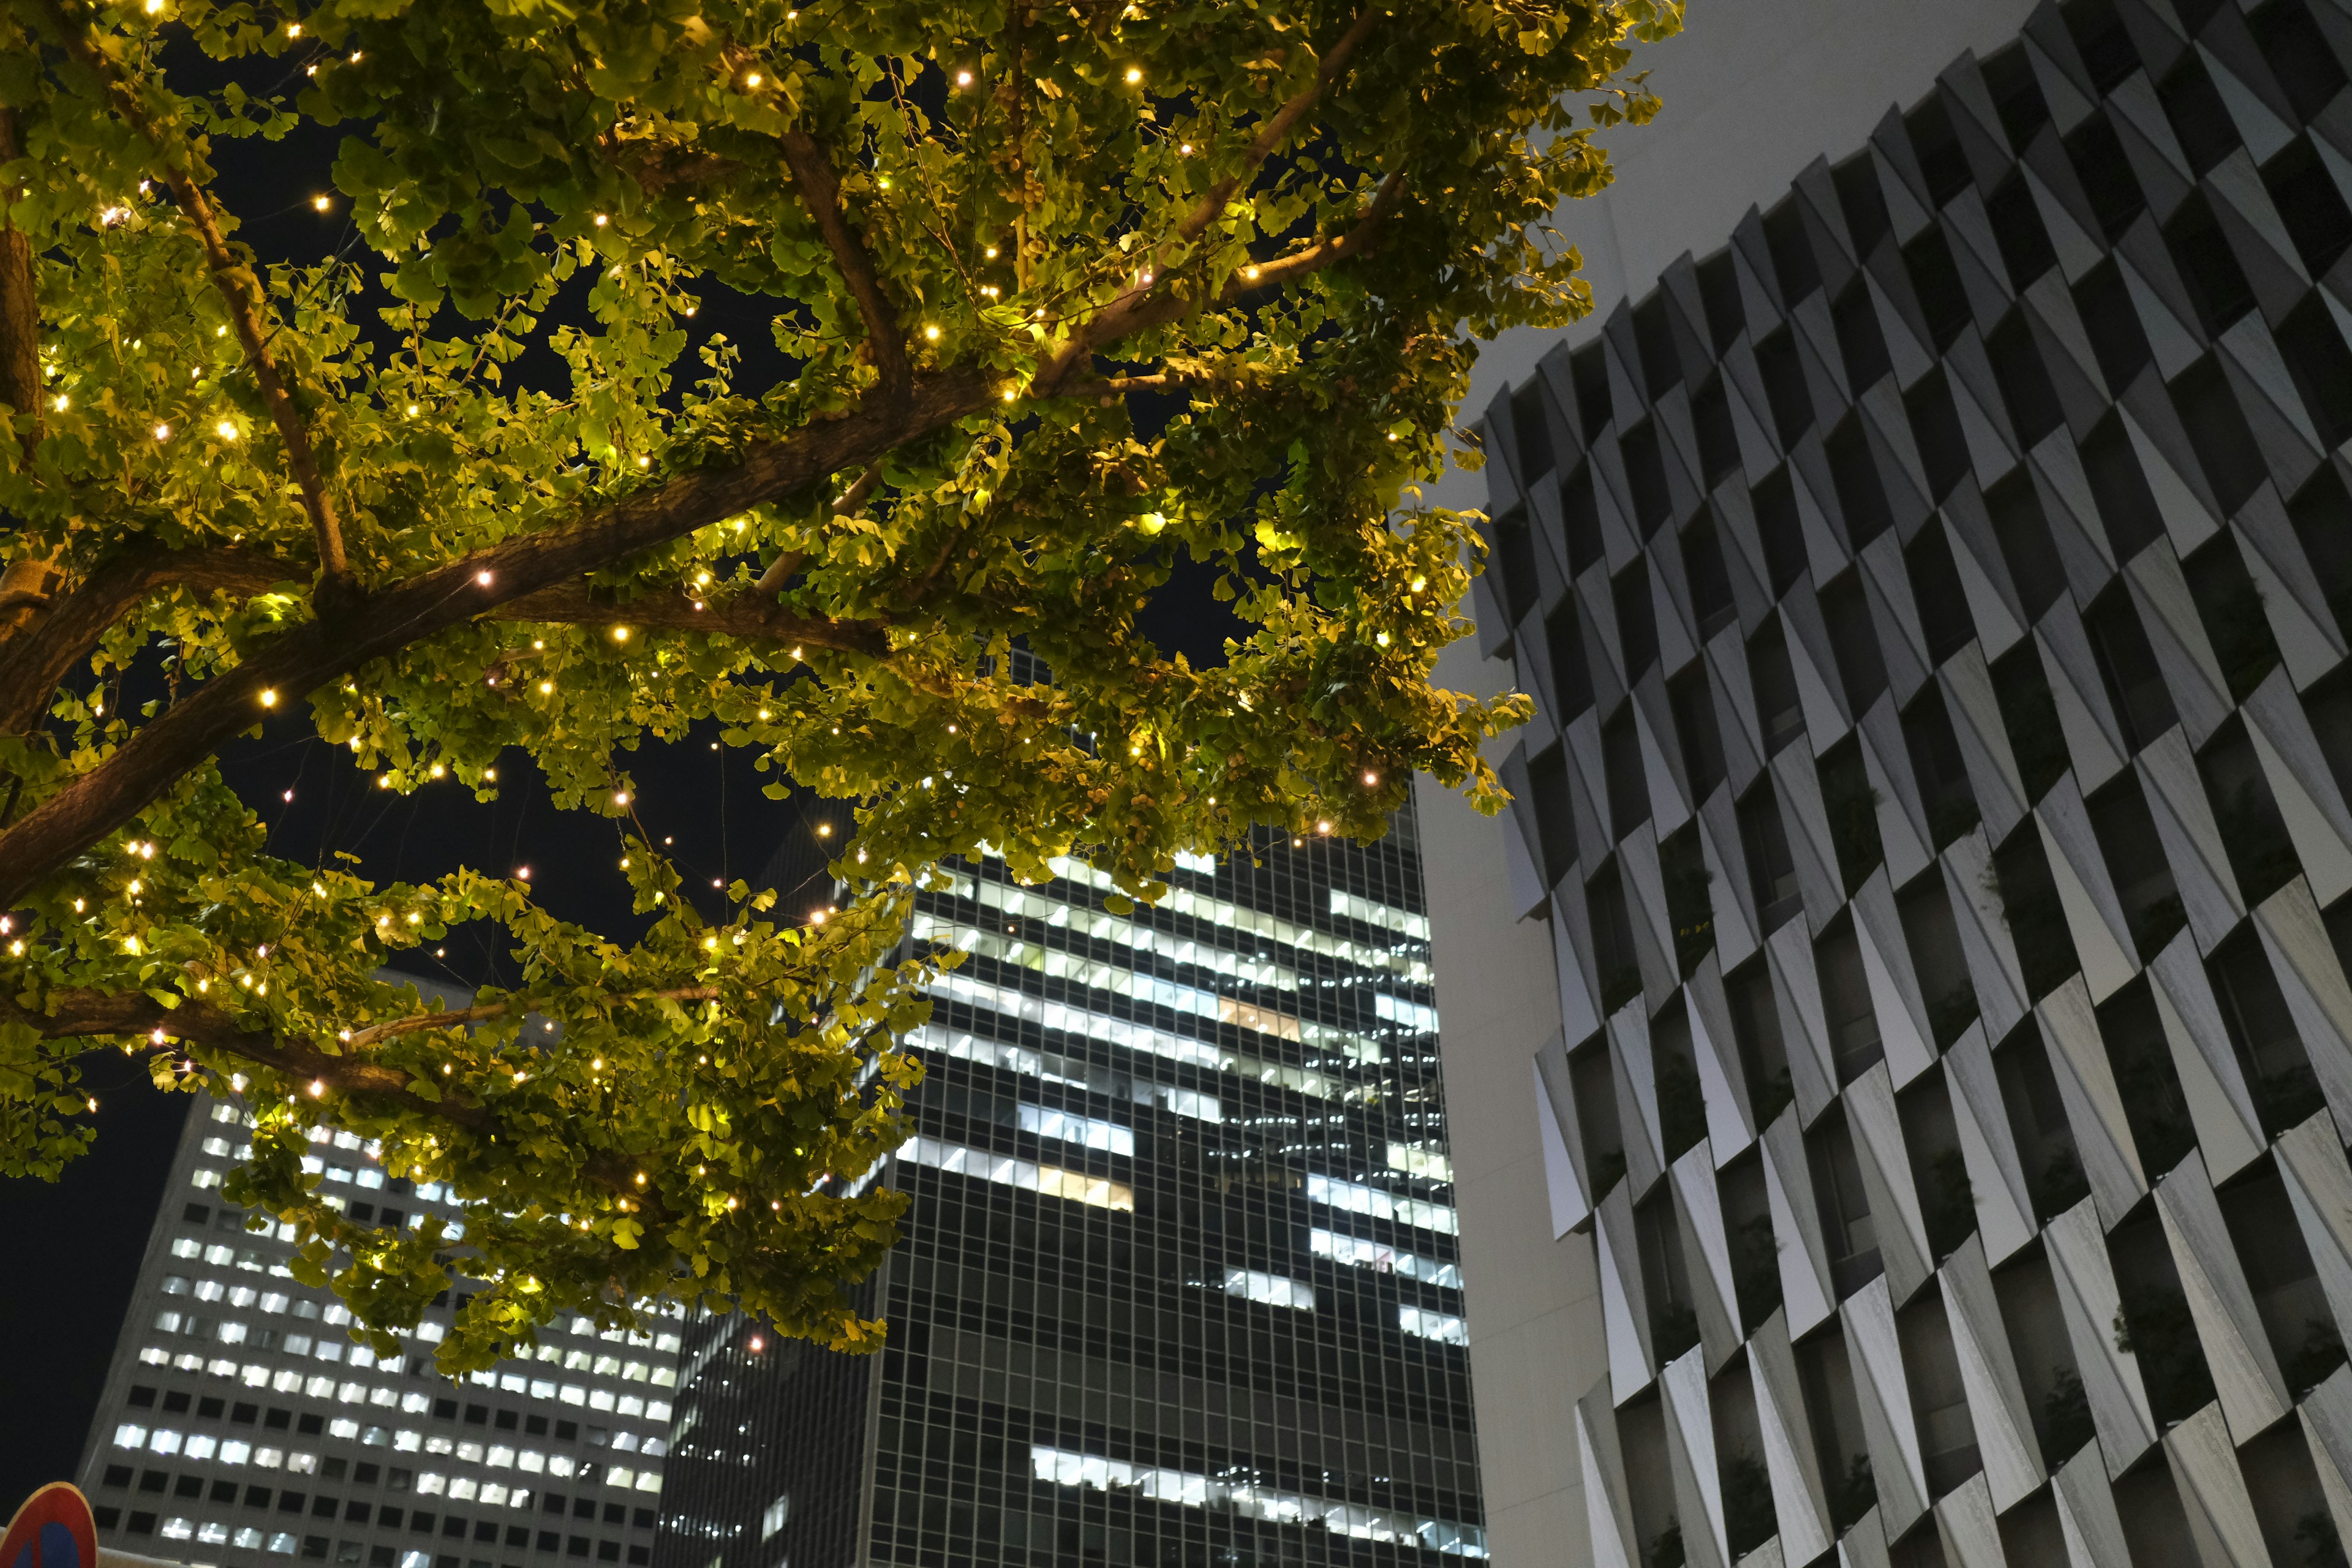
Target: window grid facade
(1179, 1282)
(1936, 603)
(241, 1428)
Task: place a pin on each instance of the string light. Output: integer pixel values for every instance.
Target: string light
(601, 220)
(270, 698)
(931, 333)
(620, 634)
(1134, 74)
(752, 79)
(1371, 780)
(963, 79)
(320, 203)
(163, 432)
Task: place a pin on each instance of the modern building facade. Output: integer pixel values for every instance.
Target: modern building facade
(241, 1428)
(1178, 1284)
(1907, 997)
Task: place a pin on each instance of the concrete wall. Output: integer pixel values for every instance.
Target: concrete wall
(1754, 90)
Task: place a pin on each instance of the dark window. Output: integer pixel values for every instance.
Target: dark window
(256, 1496)
(325, 1506)
(1865, 203)
(2195, 14)
(2025, 247)
(1792, 251)
(2200, 119)
(1936, 588)
(142, 1395)
(1784, 386)
(1782, 532)
(292, 1502)
(548, 1541)
(1941, 159)
(1710, 581)
(1637, 625)
(1861, 499)
(1693, 700)
(1653, 338)
(2217, 429)
(196, 1214)
(311, 1424)
(2030, 715)
(1645, 475)
(153, 1481)
(2016, 96)
(1935, 279)
(1621, 757)
(2309, 203)
(1620, 971)
(565, 1431)
(175, 1401)
(210, 1409)
(2299, 55)
(1548, 782)
(117, 1476)
(2099, 37)
(1590, 371)
(2217, 285)
(188, 1487)
(106, 1517)
(2322, 367)
(1718, 442)
(2232, 609)
(142, 1523)
(476, 1415)
(2026, 541)
(1771, 868)
(2106, 175)
(334, 1470)
(1572, 677)
(1859, 339)
(608, 1551)
(1936, 428)
(2024, 384)
(2111, 322)
(642, 1519)
(639, 1556)
(1936, 764)
(222, 1492)
(2036, 918)
(2127, 667)
(1532, 430)
(2321, 514)
(1581, 520)
(2120, 487)
(1778, 706)
(535, 1426)
(243, 1414)
(356, 1512)
(1514, 560)
(615, 1514)
(365, 1473)
(1719, 292)
(277, 1420)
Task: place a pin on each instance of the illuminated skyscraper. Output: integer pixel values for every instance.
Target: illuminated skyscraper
(1178, 1282)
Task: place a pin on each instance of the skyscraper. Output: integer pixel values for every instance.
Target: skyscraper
(242, 1428)
(1178, 1283)
(1919, 1048)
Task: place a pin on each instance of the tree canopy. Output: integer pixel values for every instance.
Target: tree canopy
(1065, 294)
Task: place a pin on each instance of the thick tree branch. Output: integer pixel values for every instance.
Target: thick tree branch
(238, 288)
(305, 658)
(779, 571)
(812, 167)
(746, 616)
(657, 167)
(32, 667)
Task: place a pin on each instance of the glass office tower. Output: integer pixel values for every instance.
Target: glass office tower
(242, 1428)
(1179, 1284)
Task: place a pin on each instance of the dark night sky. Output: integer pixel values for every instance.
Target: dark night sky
(78, 1243)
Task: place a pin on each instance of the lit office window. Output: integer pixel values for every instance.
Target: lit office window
(1273, 1290)
(1431, 1325)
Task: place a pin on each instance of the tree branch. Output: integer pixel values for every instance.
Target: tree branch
(241, 291)
(779, 571)
(308, 656)
(1138, 312)
(746, 616)
(1278, 128)
(32, 667)
(812, 168)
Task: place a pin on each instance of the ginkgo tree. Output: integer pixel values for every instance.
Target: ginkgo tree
(982, 236)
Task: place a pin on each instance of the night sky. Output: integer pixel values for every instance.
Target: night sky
(78, 1243)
